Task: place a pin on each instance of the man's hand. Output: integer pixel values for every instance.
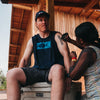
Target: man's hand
(68, 84)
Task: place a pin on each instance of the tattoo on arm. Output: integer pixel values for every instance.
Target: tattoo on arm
(60, 40)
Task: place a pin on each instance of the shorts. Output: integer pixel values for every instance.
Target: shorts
(34, 75)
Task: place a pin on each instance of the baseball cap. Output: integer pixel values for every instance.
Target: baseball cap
(38, 14)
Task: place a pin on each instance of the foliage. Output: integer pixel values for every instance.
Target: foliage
(3, 85)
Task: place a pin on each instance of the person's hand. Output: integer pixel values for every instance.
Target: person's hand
(65, 37)
(68, 84)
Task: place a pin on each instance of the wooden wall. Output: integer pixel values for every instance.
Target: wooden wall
(67, 22)
(30, 31)
(28, 34)
(63, 23)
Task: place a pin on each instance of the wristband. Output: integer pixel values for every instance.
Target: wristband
(74, 59)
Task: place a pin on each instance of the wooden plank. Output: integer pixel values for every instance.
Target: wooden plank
(17, 30)
(13, 55)
(91, 4)
(22, 7)
(69, 4)
(13, 45)
(99, 3)
(12, 62)
(73, 4)
(41, 4)
(90, 14)
(97, 18)
(50, 10)
(20, 1)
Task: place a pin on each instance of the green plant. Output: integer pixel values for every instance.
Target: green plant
(3, 85)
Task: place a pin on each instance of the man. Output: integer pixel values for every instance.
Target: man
(50, 54)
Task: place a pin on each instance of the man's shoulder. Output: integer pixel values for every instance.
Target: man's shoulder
(35, 36)
(54, 32)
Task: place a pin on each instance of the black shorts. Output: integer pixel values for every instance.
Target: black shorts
(34, 75)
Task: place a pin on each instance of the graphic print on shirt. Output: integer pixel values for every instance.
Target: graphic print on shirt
(43, 45)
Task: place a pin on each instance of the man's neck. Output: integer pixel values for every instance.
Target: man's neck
(44, 34)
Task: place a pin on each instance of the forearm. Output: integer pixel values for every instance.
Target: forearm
(65, 37)
(67, 63)
(75, 43)
(67, 59)
(23, 63)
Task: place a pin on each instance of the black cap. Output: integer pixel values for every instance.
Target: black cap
(38, 14)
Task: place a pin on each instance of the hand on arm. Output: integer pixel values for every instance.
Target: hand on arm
(65, 37)
(27, 54)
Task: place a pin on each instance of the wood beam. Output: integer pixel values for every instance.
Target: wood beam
(68, 4)
(14, 45)
(17, 30)
(90, 5)
(13, 55)
(72, 4)
(41, 4)
(50, 10)
(20, 1)
(12, 62)
(99, 3)
(22, 7)
(21, 18)
(90, 14)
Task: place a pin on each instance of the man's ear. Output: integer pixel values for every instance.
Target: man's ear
(35, 23)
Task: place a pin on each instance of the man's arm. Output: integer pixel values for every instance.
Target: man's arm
(64, 50)
(27, 54)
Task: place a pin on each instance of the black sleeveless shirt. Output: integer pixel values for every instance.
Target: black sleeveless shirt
(46, 52)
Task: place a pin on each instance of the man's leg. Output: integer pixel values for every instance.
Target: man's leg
(57, 76)
(14, 77)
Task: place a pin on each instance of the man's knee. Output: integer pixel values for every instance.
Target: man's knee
(11, 74)
(57, 71)
(14, 74)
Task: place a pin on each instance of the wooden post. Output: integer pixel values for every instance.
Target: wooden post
(99, 3)
(20, 1)
(90, 5)
(50, 10)
(41, 4)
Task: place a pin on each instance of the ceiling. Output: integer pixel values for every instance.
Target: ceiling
(21, 10)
